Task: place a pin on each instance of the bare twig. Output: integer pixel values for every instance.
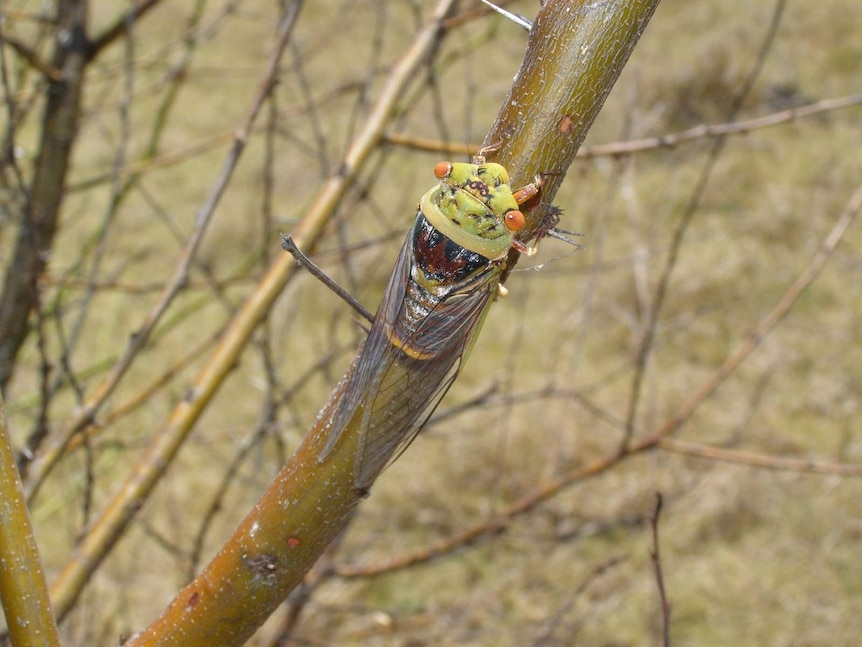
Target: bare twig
(704, 131)
(70, 343)
(758, 460)
(39, 221)
(518, 19)
(289, 245)
(50, 72)
(550, 634)
(170, 158)
(118, 28)
(144, 393)
(668, 140)
(655, 556)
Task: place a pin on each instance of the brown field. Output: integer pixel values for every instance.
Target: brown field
(761, 531)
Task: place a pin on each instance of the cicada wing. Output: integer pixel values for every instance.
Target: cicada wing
(408, 387)
(364, 373)
(394, 422)
(396, 382)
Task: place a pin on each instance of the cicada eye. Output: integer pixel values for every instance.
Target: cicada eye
(443, 169)
(515, 220)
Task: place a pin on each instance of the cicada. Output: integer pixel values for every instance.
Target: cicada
(447, 274)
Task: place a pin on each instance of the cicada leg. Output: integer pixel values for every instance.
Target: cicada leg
(529, 191)
(550, 220)
(548, 225)
(522, 196)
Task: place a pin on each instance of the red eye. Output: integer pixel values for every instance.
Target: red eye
(515, 220)
(443, 169)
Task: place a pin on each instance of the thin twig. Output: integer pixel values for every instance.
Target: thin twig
(668, 140)
(69, 344)
(547, 637)
(144, 392)
(761, 461)
(38, 223)
(704, 131)
(49, 71)
(655, 556)
(289, 245)
(118, 28)
(204, 146)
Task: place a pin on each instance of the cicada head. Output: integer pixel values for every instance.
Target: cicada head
(474, 207)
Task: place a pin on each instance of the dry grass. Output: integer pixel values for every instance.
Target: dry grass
(751, 557)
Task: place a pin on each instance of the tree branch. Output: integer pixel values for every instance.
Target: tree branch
(42, 208)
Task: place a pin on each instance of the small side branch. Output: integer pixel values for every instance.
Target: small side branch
(289, 245)
(655, 555)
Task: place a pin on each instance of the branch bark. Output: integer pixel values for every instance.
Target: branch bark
(42, 207)
(23, 591)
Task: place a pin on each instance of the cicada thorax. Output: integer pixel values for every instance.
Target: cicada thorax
(474, 207)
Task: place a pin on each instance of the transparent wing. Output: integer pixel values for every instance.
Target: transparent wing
(361, 374)
(413, 353)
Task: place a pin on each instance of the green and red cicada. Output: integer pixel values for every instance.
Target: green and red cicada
(446, 276)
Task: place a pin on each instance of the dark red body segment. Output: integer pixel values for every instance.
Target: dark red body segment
(440, 258)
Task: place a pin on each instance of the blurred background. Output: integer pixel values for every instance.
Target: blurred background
(525, 506)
